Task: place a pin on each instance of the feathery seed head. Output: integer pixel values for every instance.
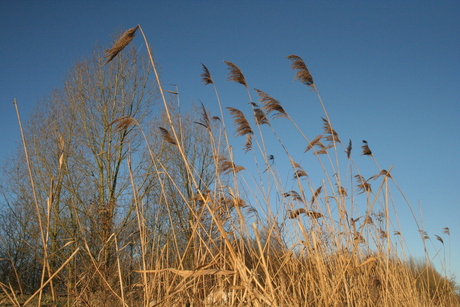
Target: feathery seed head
(120, 44)
(270, 104)
(235, 74)
(302, 74)
(206, 76)
(167, 137)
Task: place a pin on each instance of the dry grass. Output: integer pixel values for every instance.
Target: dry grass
(249, 247)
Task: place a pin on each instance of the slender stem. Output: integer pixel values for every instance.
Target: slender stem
(37, 208)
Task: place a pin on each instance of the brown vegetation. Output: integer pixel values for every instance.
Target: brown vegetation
(106, 207)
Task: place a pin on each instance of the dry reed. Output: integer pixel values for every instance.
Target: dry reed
(120, 44)
(315, 255)
(167, 137)
(302, 74)
(235, 74)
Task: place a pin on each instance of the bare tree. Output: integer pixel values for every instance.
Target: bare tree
(96, 152)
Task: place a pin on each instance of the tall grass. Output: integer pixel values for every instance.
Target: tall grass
(252, 241)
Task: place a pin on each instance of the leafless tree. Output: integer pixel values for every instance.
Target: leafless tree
(96, 152)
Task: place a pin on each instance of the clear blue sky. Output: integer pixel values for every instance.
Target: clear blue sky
(388, 72)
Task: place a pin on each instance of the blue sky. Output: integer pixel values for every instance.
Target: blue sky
(387, 71)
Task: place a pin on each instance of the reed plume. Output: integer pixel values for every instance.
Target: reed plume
(242, 127)
(383, 234)
(318, 190)
(299, 171)
(314, 214)
(120, 44)
(238, 202)
(439, 239)
(260, 117)
(315, 142)
(235, 74)
(324, 149)
(342, 191)
(270, 104)
(167, 136)
(225, 165)
(302, 74)
(366, 150)
(331, 134)
(363, 185)
(248, 143)
(205, 121)
(382, 173)
(292, 214)
(294, 195)
(348, 151)
(368, 220)
(359, 238)
(123, 123)
(240, 121)
(206, 76)
(424, 235)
